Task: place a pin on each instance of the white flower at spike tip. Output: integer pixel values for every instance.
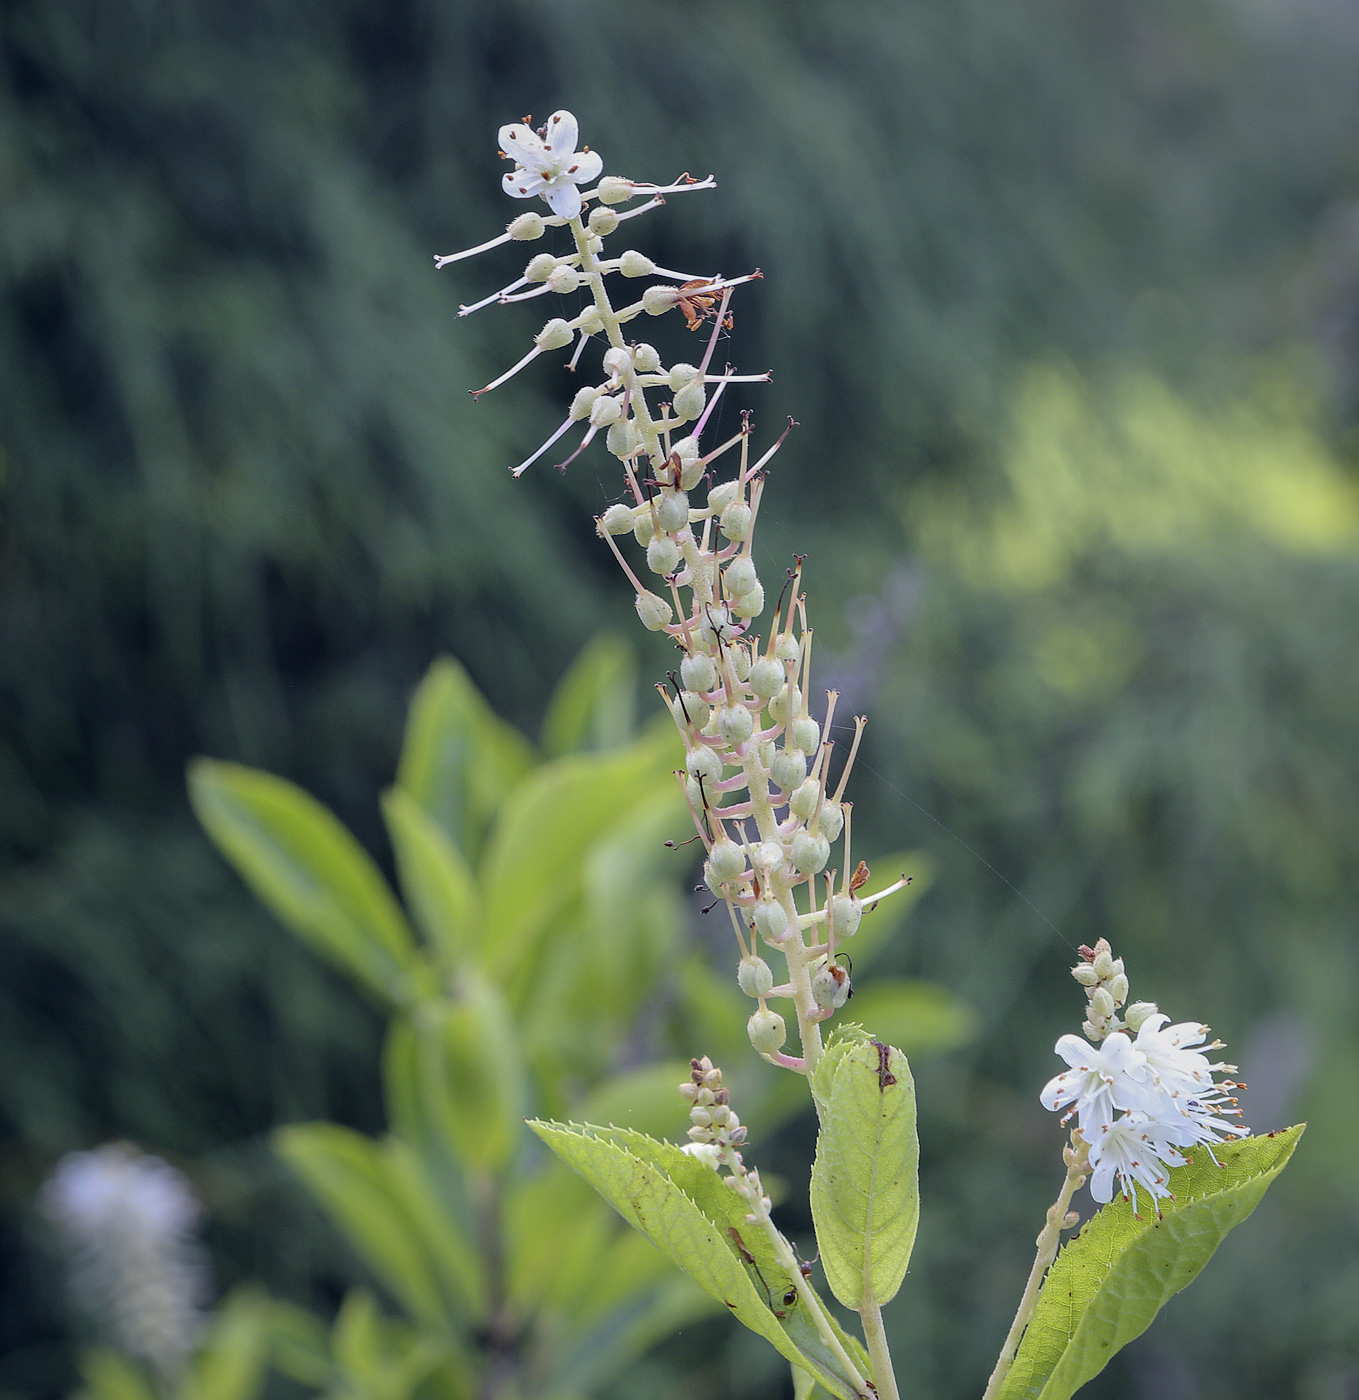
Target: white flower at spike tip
(549, 164)
(1139, 1151)
(1187, 1098)
(1101, 1079)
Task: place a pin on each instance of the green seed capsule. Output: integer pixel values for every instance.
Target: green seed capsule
(754, 977)
(617, 520)
(740, 577)
(655, 612)
(845, 914)
(770, 920)
(810, 853)
(831, 821)
(644, 527)
(663, 556)
(735, 724)
(805, 800)
(788, 769)
(735, 521)
(726, 862)
(689, 401)
(785, 704)
(526, 228)
(766, 677)
(767, 1031)
(696, 707)
(703, 762)
(698, 672)
(672, 510)
(750, 604)
(805, 734)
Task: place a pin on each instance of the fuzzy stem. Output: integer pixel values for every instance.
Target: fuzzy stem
(1077, 1168)
(875, 1338)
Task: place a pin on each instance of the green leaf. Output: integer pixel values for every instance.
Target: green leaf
(371, 1191)
(231, 1362)
(687, 1211)
(108, 1376)
(1112, 1278)
(459, 761)
(533, 862)
(865, 1187)
(920, 1017)
(454, 1070)
(299, 1345)
(594, 705)
(309, 870)
(435, 878)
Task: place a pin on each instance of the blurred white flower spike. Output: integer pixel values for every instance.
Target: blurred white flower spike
(129, 1220)
(548, 164)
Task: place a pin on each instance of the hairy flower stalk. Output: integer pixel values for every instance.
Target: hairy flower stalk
(758, 766)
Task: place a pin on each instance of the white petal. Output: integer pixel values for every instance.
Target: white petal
(585, 167)
(1102, 1181)
(1059, 1091)
(522, 184)
(564, 199)
(1078, 1053)
(562, 133)
(523, 145)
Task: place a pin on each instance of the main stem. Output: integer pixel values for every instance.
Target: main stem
(875, 1338)
(1077, 1169)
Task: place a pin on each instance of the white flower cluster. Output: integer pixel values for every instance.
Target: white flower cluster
(1138, 1099)
(757, 763)
(129, 1220)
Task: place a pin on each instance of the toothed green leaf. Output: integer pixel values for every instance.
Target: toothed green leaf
(865, 1191)
(1112, 1278)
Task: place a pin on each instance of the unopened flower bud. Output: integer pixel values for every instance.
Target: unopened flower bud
(655, 612)
(614, 189)
(603, 221)
(1085, 974)
(722, 1116)
(540, 267)
(553, 335)
(845, 914)
(656, 301)
(1102, 1006)
(703, 762)
(617, 520)
(564, 281)
(647, 358)
(1118, 988)
(709, 1153)
(830, 987)
(766, 676)
(682, 375)
(767, 1031)
(635, 264)
(785, 704)
(788, 769)
(809, 853)
(695, 706)
(526, 227)
(700, 1117)
(1139, 1012)
(754, 977)
(770, 920)
(739, 576)
(722, 495)
(689, 401)
(607, 409)
(735, 520)
(831, 822)
(698, 672)
(1103, 961)
(735, 724)
(672, 510)
(726, 862)
(805, 800)
(688, 1090)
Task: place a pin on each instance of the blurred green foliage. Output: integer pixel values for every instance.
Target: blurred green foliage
(245, 500)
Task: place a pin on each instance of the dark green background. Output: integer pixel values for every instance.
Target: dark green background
(246, 499)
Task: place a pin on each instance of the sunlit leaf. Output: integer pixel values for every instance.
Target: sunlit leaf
(594, 704)
(435, 878)
(1112, 1278)
(865, 1180)
(309, 870)
(230, 1364)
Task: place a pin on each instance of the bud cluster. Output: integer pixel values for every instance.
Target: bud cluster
(757, 770)
(1106, 990)
(717, 1134)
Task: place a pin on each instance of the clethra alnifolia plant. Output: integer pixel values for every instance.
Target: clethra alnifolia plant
(768, 802)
